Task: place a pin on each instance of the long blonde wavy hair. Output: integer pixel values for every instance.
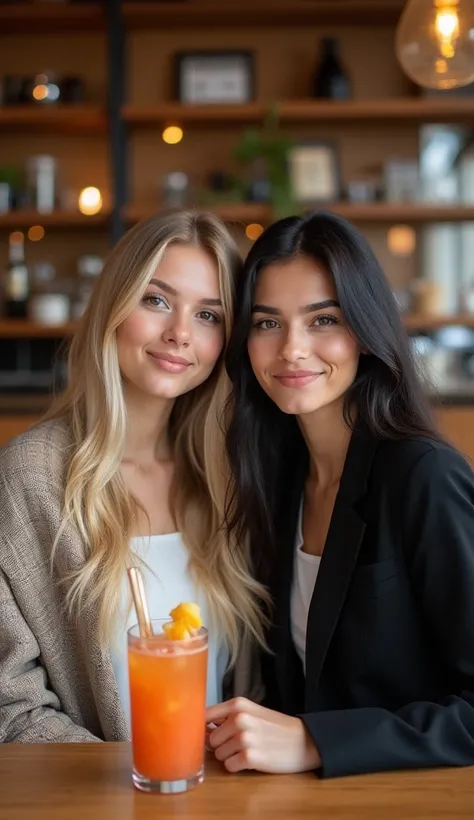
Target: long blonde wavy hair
(96, 502)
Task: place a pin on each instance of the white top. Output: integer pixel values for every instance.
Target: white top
(305, 573)
(167, 583)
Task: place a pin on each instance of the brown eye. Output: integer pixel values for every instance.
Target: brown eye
(266, 324)
(325, 321)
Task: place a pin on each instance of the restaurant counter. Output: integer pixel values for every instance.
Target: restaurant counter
(93, 780)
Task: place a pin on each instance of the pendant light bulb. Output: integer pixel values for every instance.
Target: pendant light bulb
(435, 42)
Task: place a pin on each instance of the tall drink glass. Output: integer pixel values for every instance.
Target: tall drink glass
(168, 704)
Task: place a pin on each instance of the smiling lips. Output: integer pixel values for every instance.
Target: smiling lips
(296, 378)
(170, 363)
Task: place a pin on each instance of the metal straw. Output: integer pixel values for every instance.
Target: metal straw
(139, 599)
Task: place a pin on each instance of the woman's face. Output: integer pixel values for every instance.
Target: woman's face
(300, 346)
(172, 340)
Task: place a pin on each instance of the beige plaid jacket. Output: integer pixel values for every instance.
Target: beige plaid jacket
(56, 682)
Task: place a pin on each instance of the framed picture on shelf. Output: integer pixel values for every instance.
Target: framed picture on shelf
(313, 168)
(214, 77)
(401, 180)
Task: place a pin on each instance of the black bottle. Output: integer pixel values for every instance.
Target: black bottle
(331, 82)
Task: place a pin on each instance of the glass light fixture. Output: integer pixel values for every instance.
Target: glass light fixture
(90, 201)
(435, 42)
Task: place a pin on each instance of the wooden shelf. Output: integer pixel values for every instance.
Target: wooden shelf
(245, 212)
(407, 212)
(247, 14)
(422, 322)
(440, 110)
(47, 18)
(377, 212)
(24, 329)
(93, 119)
(14, 220)
(163, 113)
(409, 109)
(75, 119)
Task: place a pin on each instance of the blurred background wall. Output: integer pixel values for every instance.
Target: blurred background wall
(112, 111)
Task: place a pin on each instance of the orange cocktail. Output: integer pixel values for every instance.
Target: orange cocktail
(168, 703)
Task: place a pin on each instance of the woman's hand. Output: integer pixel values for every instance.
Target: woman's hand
(249, 736)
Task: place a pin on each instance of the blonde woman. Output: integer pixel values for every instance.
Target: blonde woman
(128, 466)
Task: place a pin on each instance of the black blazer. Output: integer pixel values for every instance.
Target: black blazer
(390, 637)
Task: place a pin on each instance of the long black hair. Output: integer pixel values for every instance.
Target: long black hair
(387, 397)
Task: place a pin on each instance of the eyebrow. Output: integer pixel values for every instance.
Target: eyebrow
(273, 311)
(173, 292)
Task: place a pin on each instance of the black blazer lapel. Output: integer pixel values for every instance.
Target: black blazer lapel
(338, 560)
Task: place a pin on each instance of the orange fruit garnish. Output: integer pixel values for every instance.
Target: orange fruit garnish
(190, 613)
(186, 621)
(176, 631)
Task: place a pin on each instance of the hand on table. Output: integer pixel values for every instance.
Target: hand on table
(249, 736)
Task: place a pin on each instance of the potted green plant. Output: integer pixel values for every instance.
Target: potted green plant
(269, 147)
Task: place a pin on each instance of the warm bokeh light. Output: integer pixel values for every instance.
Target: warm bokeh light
(172, 134)
(36, 233)
(447, 30)
(16, 237)
(90, 201)
(253, 231)
(45, 89)
(40, 92)
(401, 240)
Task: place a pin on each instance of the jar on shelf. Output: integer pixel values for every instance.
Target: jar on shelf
(49, 302)
(42, 183)
(175, 189)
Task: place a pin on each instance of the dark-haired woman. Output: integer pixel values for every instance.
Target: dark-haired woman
(361, 520)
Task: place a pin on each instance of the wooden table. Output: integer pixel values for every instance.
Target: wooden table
(92, 782)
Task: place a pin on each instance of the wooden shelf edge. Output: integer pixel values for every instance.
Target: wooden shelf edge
(14, 220)
(377, 212)
(406, 212)
(23, 329)
(244, 212)
(93, 119)
(170, 111)
(64, 117)
(426, 323)
(416, 109)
